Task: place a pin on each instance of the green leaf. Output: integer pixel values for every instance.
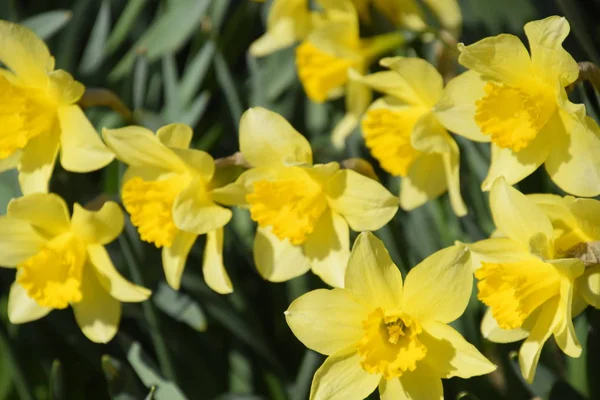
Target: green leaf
(171, 86)
(194, 113)
(57, 381)
(180, 307)
(122, 383)
(196, 71)
(94, 51)
(544, 380)
(301, 388)
(225, 80)
(9, 188)
(45, 25)
(140, 79)
(124, 25)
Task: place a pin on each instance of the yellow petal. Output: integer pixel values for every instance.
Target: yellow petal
(102, 226)
(175, 135)
(213, 269)
(452, 173)
(386, 82)
(328, 248)
(343, 129)
(175, 256)
(37, 162)
(10, 162)
(278, 260)
(422, 383)
(420, 83)
(18, 241)
(551, 61)
(98, 314)
(502, 58)
(456, 107)
(371, 276)
(266, 138)
(47, 212)
(588, 285)
(365, 203)
(557, 208)
(195, 212)
(574, 162)
(391, 389)
(498, 250)
(82, 149)
(587, 216)
(448, 13)
(520, 219)
(199, 162)
(24, 53)
(139, 147)
(492, 332)
(112, 281)
(564, 333)
(358, 98)
(426, 180)
(22, 308)
(440, 286)
(327, 321)
(450, 355)
(65, 88)
(342, 378)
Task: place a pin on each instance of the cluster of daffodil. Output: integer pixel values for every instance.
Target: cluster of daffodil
(538, 271)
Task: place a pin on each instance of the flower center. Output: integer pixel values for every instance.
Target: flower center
(291, 206)
(23, 116)
(512, 116)
(321, 72)
(150, 204)
(514, 290)
(390, 345)
(387, 135)
(52, 277)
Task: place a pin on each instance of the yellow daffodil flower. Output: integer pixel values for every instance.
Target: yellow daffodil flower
(329, 52)
(303, 211)
(61, 261)
(39, 114)
(378, 331)
(519, 103)
(167, 190)
(525, 281)
(404, 135)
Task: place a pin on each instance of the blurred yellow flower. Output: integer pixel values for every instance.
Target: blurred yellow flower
(303, 211)
(404, 135)
(39, 114)
(167, 190)
(61, 261)
(518, 102)
(528, 284)
(378, 331)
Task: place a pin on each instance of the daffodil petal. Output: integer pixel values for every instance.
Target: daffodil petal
(589, 285)
(195, 212)
(358, 98)
(278, 260)
(67, 89)
(371, 276)
(557, 208)
(37, 162)
(81, 149)
(175, 135)
(440, 286)
(587, 216)
(111, 280)
(342, 378)
(175, 257)
(213, 269)
(448, 13)
(391, 389)
(328, 248)
(450, 355)
(98, 314)
(365, 203)
(498, 250)
(421, 84)
(10, 162)
(452, 174)
(456, 107)
(492, 332)
(422, 384)
(198, 161)
(22, 308)
(139, 147)
(327, 321)
(551, 60)
(102, 226)
(234, 194)
(47, 212)
(343, 129)
(426, 180)
(564, 333)
(387, 82)
(520, 219)
(18, 241)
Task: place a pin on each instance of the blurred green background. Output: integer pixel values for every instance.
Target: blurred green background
(186, 61)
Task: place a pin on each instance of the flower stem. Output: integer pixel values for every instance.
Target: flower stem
(21, 385)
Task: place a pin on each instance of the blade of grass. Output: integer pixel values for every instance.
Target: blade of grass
(22, 386)
(226, 82)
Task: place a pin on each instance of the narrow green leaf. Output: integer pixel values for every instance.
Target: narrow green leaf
(124, 25)
(180, 307)
(195, 112)
(196, 71)
(171, 87)
(310, 363)
(544, 380)
(122, 383)
(227, 84)
(140, 79)
(9, 188)
(152, 393)
(19, 378)
(45, 25)
(94, 51)
(57, 382)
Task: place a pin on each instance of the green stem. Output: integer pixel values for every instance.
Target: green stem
(23, 388)
(164, 359)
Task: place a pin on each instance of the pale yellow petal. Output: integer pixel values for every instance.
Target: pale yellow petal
(18, 241)
(386, 82)
(11, 162)
(588, 285)
(37, 162)
(22, 308)
(358, 98)
(199, 162)
(422, 384)
(564, 333)
(558, 209)
(98, 314)
(448, 13)
(343, 129)
(175, 256)
(492, 332)
(587, 216)
(371, 276)
(102, 226)
(450, 355)
(112, 281)
(456, 107)
(328, 248)
(421, 84)
(175, 135)
(549, 58)
(278, 260)
(47, 212)
(498, 250)
(439, 287)
(65, 88)
(391, 389)
(342, 378)
(213, 268)
(327, 321)
(365, 203)
(451, 160)
(266, 138)
(426, 180)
